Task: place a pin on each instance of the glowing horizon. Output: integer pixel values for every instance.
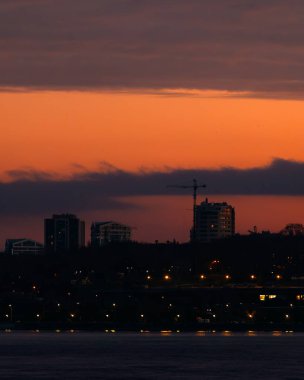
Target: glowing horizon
(148, 87)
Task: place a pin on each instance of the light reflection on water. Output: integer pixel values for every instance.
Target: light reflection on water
(225, 333)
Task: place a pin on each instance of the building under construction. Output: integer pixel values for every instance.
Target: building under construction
(212, 221)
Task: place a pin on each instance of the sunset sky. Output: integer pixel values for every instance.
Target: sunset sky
(103, 103)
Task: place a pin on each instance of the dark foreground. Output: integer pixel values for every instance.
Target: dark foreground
(29, 355)
(253, 282)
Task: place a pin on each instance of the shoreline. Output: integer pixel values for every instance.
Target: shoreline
(100, 328)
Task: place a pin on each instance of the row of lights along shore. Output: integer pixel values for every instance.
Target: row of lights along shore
(168, 277)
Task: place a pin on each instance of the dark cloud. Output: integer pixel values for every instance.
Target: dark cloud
(237, 45)
(32, 193)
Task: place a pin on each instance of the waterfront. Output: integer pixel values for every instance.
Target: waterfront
(201, 355)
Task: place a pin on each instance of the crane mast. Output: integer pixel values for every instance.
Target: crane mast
(194, 187)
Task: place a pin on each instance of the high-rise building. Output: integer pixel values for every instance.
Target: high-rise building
(64, 232)
(107, 232)
(213, 221)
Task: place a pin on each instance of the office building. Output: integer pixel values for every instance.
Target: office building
(107, 232)
(213, 221)
(23, 246)
(64, 232)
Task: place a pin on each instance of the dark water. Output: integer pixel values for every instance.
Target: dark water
(150, 356)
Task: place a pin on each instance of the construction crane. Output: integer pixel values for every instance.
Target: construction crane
(194, 187)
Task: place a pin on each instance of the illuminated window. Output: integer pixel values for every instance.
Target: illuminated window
(264, 297)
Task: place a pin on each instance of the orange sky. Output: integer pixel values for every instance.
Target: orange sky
(200, 85)
(53, 130)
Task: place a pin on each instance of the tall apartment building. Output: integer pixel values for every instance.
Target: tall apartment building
(63, 232)
(107, 232)
(213, 221)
